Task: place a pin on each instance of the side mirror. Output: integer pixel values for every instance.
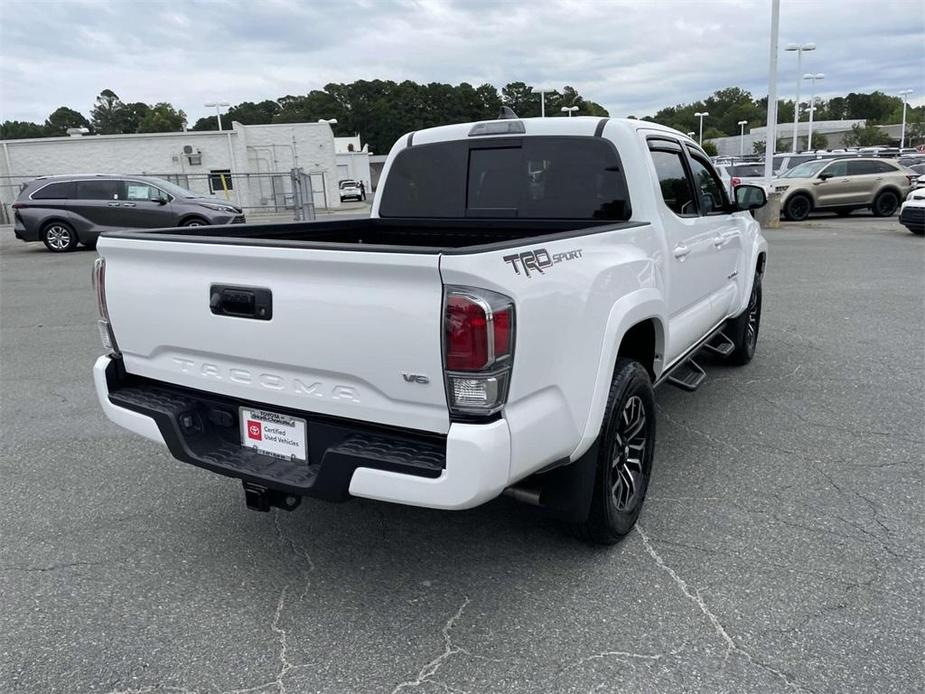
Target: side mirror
(159, 199)
(824, 176)
(750, 197)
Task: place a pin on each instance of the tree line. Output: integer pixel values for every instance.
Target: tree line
(382, 110)
(730, 105)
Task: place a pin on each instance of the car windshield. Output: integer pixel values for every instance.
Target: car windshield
(174, 189)
(807, 170)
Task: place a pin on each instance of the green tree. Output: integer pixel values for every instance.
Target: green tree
(162, 118)
(132, 116)
(710, 148)
(108, 116)
(820, 141)
(20, 129)
(779, 146)
(63, 118)
(866, 136)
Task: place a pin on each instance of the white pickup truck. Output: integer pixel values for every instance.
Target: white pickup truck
(497, 324)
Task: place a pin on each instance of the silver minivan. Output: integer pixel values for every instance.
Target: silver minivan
(64, 211)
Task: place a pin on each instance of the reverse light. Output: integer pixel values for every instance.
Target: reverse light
(99, 285)
(478, 344)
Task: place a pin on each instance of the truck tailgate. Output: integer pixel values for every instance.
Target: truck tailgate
(353, 334)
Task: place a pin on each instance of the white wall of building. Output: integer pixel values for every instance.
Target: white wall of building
(254, 149)
(355, 166)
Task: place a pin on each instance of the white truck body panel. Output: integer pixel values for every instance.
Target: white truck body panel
(344, 328)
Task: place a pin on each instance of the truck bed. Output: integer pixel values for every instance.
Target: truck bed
(396, 235)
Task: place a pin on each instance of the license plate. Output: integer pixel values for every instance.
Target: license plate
(275, 434)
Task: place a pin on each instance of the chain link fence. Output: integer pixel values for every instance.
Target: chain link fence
(294, 194)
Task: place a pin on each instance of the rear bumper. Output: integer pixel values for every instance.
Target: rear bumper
(24, 234)
(467, 467)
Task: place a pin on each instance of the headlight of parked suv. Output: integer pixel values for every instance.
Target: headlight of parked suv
(780, 189)
(220, 208)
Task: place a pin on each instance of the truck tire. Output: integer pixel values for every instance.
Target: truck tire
(885, 204)
(59, 237)
(743, 329)
(798, 207)
(625, 452)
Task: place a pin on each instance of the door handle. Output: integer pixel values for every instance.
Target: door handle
(681, 251)
(113, 204)
(719, 242)
(128, 204)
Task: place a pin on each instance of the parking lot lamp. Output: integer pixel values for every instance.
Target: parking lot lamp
(569, 110)
(800, 49)
(701, 116)
(543, 91)
(742, 124)
(902, 136)
(812, 77)
(217, 105)
(691, 133)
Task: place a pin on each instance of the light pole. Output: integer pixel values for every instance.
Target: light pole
(800, 49)
(701, 116)
(742, 124)
(329, 121)
(217, 105)
(902, 137)
(771, 138)
(569, 110)
(543, 91)
(812, 77)
(690, 134)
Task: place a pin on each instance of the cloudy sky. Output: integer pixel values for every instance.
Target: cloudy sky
(632, 57)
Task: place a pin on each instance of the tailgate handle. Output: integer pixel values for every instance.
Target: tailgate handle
(241, 302)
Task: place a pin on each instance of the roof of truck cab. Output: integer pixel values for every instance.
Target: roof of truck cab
(587, 126)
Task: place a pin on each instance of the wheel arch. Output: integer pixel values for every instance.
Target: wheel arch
(187, 218)
(636, 328)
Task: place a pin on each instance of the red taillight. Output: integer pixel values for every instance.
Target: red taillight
(466, 334)
(736, 181)
(478, 343)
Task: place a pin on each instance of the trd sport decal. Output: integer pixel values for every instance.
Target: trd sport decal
(539, 260)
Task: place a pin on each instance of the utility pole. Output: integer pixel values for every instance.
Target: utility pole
(771, 138)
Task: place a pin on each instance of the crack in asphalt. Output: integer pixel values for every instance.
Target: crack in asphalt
(449, 649)
(695, 597)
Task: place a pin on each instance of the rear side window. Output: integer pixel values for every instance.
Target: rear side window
(674, 183)
(527, 178)
(101, 189)
(862, 167)
(55, 191)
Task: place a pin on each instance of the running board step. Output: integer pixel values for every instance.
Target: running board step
(688, 376)
(720, 345)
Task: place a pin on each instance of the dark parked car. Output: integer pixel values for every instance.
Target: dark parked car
(63, 211)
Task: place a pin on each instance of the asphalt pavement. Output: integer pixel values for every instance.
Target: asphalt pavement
(780, 548)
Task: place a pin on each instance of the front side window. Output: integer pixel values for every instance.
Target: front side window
(712, 197)
(100, 189)
(526, 178)
(674, 183)
(838, 168)
(134, 190)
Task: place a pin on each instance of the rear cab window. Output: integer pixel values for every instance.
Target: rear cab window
(520, 177)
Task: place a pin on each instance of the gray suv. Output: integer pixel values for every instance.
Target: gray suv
(63, 211)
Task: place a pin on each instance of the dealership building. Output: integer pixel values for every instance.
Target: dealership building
(251, 165)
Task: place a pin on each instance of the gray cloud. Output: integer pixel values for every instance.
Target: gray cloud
(633, 57)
